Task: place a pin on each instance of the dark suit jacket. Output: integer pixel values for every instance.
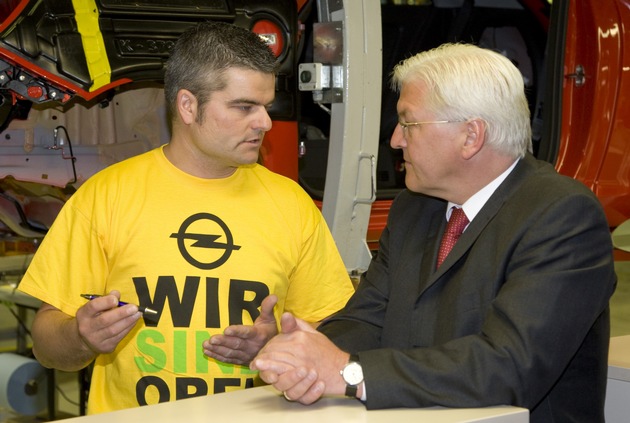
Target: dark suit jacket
(517, 313)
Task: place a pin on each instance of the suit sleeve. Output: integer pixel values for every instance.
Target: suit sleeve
(553, 279)
(359, 326)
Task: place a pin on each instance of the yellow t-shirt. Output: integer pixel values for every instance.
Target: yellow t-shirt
(203, 253)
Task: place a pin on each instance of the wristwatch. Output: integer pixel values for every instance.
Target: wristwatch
(352, 374)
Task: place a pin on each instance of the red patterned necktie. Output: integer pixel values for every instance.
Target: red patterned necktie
(454, 229)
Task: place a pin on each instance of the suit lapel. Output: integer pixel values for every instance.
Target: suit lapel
(476, 227)
(430, 248)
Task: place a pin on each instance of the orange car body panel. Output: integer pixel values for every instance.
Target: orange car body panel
(594, 145)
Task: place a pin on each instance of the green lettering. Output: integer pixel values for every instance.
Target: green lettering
(201, 360)
(145, 343)
(179, 351)
(247, 371)
(229, 369)
(226, 368)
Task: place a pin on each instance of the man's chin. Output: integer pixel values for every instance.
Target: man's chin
(412, 184)
(416, 186)
(250, 160)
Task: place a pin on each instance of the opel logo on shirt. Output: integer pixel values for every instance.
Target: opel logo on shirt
(199, 242)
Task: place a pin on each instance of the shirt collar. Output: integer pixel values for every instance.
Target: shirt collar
(474, 204)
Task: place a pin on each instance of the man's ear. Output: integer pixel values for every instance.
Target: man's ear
(475, 137)
(186, 106)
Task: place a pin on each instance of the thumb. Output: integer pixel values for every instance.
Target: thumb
(289, 323)
(115, 294)
(266, 309)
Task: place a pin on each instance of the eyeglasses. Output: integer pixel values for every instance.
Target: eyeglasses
(405, 125)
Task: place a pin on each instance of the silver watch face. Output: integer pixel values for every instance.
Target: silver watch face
(353, 373)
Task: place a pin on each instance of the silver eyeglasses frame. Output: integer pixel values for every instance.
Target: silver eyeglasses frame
(405, 125)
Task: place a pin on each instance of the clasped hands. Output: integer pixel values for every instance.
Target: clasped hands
(299, 361)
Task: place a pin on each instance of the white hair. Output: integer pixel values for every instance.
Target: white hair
(467, 82)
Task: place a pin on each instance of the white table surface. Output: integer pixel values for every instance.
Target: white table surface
(265, 404)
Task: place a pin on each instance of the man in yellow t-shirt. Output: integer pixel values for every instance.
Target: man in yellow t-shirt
(194, 230)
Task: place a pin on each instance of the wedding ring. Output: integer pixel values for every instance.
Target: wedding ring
(286, 396)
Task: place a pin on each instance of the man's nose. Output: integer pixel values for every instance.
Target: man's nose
(398, 140)
(263, 121)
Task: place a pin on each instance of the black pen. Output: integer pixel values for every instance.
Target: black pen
(144, 310)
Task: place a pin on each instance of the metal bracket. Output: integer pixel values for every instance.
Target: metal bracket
(579, 77)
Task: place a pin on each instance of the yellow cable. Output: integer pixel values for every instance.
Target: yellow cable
(86, 16)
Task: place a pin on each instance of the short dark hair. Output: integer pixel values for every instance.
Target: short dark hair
(203, 53)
